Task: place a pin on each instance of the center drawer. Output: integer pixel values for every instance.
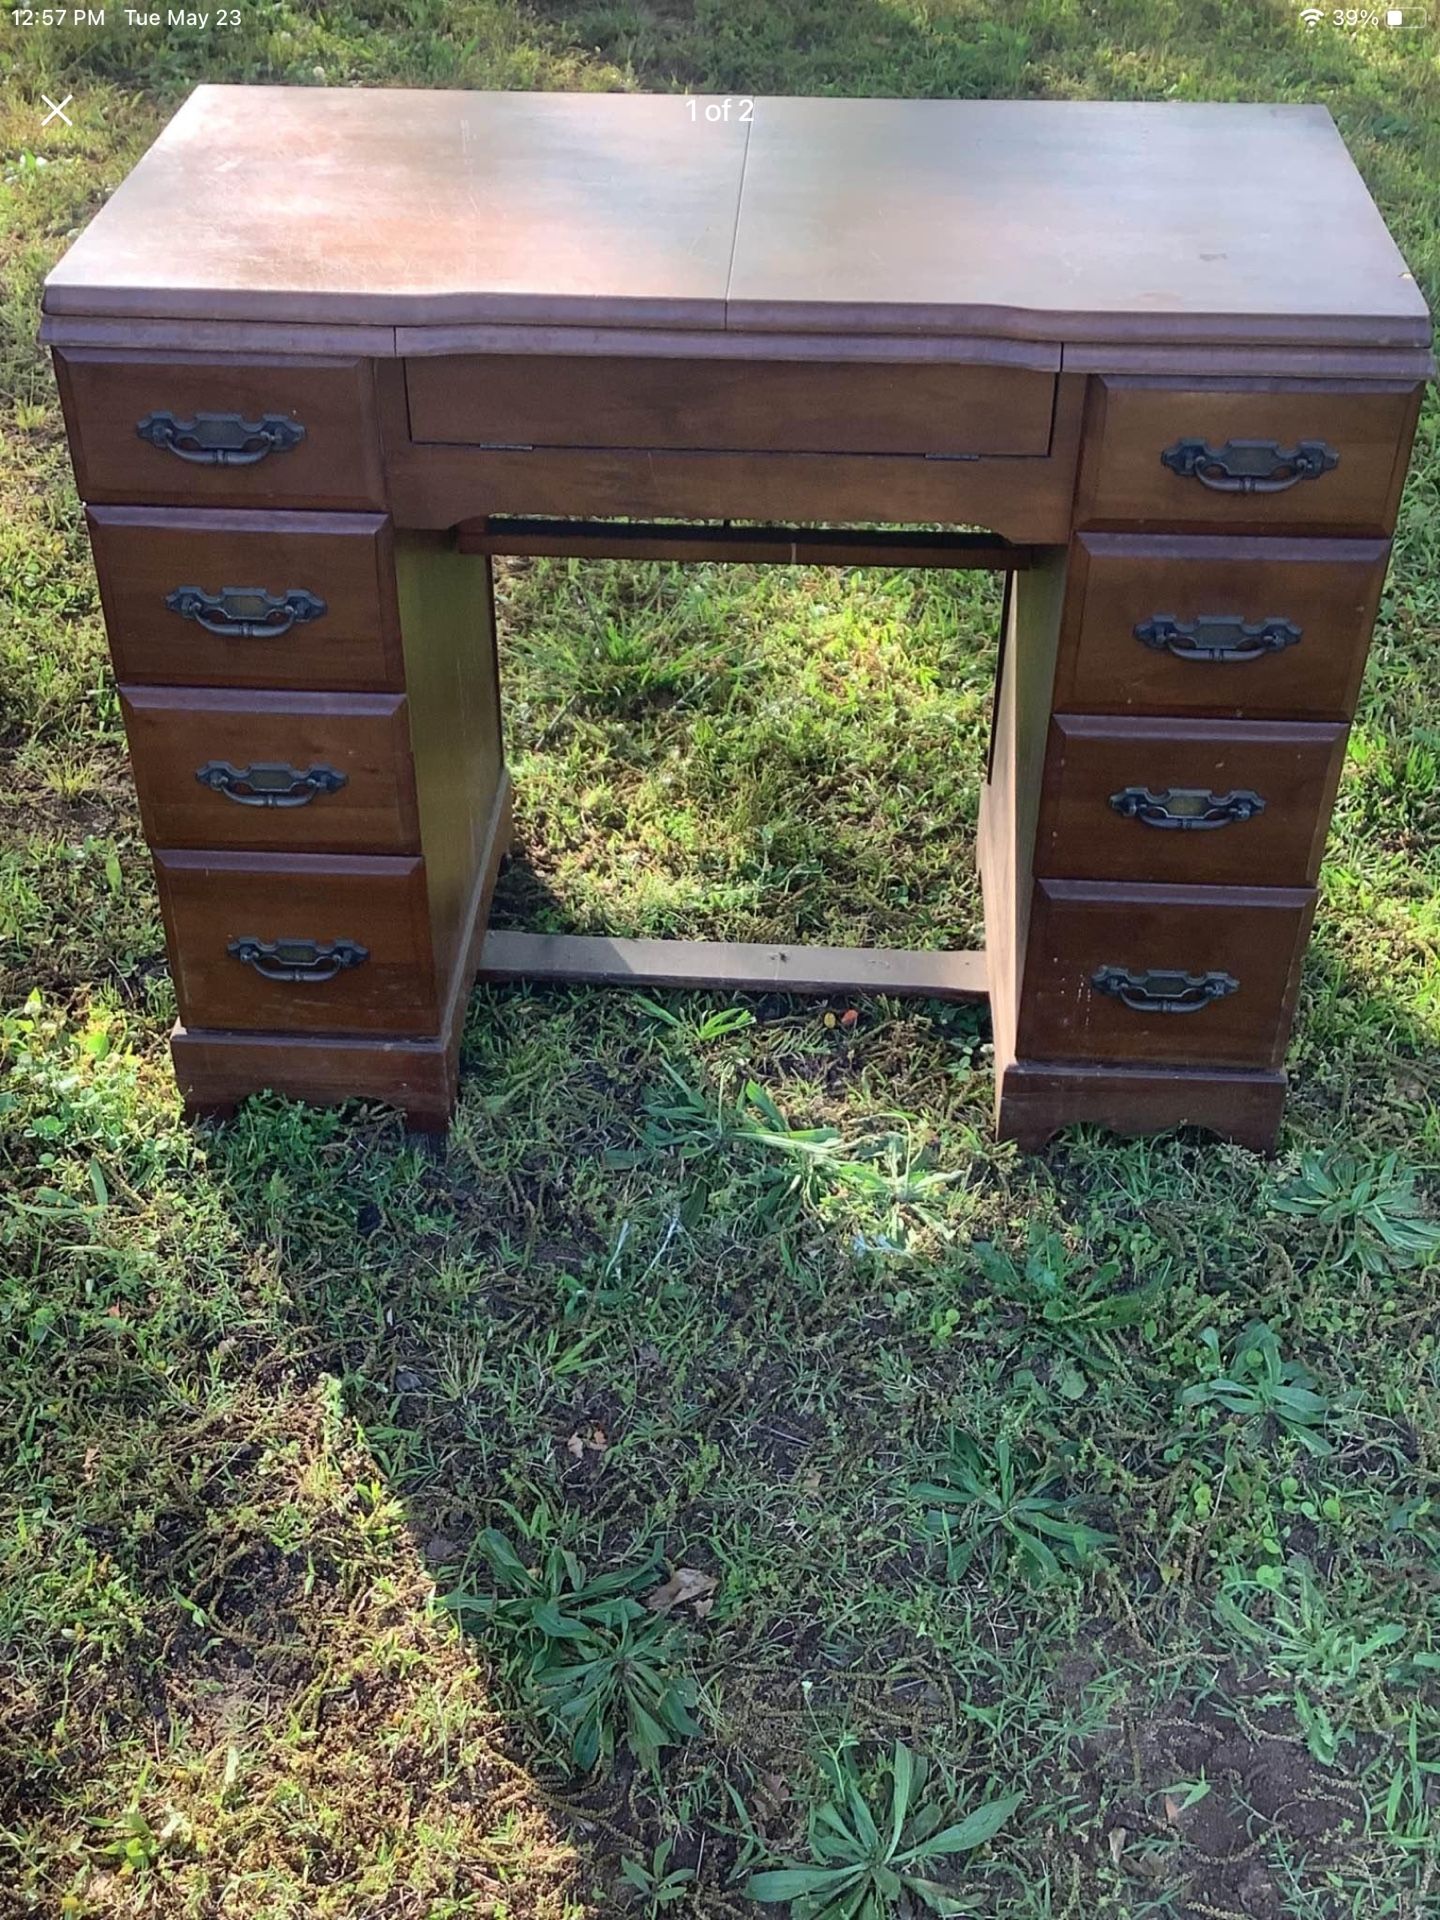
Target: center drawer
(302, 772)
(778, 406)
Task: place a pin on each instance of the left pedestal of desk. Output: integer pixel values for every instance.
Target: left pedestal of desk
(312, 707)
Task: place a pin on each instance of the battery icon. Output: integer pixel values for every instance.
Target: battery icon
(1395, 17)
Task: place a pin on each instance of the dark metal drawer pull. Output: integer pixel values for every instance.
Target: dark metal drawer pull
(299, 960)
(1187, 809)
(221, 439)
(269, 786)
(1216, 636)
(1249, 466)
(246, 613)
(1161, 991)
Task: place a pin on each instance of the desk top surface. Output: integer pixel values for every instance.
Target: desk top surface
(1024, 220)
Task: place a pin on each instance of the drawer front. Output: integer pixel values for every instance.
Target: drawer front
(1296, 458)
(1204, 625)
(316, 603)
(1187, 801)
(293, 772)
(790, 406)
(264, 433)
(352, 933)
(1231, 955)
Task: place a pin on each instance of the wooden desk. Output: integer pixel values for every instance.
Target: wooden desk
(324, 352)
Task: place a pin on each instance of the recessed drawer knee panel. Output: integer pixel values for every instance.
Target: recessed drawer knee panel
(1205, 624)
(308, 943)
(289, 772)
(1241, 803)
(1162, 975)
(1291, 457)
(788, 406)
(176, 430)
(211, 598)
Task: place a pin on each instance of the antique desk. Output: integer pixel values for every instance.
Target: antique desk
(325, 352)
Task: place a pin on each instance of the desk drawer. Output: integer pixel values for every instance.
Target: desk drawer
(1209, 625)
(1188, 801)
(778, 406)
(317, 606)
(1285, 457)
(296, 772)
(354, 934)
(172, 430)
(1230, 954)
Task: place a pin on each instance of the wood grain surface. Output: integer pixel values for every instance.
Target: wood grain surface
(398, 205)
(1071, 220)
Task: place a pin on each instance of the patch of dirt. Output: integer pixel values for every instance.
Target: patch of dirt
(30, 808)
(762, 1421)
(1261, 1795)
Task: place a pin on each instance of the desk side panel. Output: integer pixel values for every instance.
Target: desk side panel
(447, 622)
(1011, 799)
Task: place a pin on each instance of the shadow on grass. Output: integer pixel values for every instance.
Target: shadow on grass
(291, 1370)
(531, 1341)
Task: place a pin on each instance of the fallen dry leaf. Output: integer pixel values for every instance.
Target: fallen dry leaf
(1172, 1809)
(575, 1447)
(686, 1583)
(1117, 1837)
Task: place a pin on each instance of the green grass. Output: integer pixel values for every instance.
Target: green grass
(1108, 1479)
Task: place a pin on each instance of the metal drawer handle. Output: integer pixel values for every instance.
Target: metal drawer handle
(269, 786)
(1217, 636)
(246, 613)
(1250, 466)
(298, 960)
(1187, 809)
(221, 439)
(1161, 991)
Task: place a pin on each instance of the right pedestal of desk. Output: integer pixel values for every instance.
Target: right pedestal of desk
(1176, 688)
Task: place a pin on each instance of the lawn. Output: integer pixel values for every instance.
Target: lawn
(1065, 1530)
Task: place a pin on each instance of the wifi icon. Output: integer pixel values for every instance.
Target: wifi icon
(1312, 16)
